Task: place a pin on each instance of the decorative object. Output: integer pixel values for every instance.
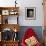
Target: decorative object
(13, 12)
(30, 13)
(5, 12)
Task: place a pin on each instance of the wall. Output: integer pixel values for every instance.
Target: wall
(27, 3)
(39, 13)
(37, 24)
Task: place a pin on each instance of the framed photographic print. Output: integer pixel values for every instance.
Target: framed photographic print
(5, 12)
(30, 13)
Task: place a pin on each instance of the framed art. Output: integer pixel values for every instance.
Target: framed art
(30, 13)
(5, 12)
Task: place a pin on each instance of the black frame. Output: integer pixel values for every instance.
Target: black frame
(30, 13)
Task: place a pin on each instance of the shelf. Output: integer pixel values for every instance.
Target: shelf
(10, 26)
(11, 41)
(7, 26)
(5, 12)
(9, 19)
(9, 10)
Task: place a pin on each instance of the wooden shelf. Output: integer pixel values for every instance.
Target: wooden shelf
(3, 8)
(11, 26)
(10, 43)
(9, 9)
(4, 13)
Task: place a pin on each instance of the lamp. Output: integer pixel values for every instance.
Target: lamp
(15, 3)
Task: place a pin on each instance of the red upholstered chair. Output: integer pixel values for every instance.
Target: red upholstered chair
(28, 34)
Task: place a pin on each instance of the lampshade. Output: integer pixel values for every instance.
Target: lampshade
(15, 30)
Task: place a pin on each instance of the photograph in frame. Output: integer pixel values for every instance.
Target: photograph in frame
(30, 13)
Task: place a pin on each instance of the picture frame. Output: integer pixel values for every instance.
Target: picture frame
(5, 12)
(30, 13)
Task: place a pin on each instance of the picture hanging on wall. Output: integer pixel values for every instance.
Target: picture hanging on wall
(30, 13)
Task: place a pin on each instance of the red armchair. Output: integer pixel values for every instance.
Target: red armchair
(29, 36)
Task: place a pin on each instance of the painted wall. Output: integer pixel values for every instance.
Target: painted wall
(22, 21)
(39, 13)
(26, 3)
